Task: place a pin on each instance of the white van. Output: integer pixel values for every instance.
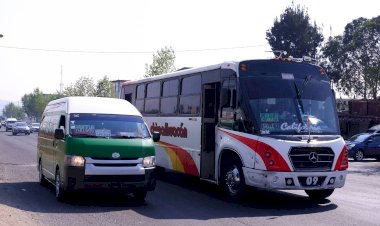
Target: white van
(95, 143)
(9, 123)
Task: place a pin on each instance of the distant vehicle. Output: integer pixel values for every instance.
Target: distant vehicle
(374, 129)
(9, 123)
(20, 127)
(364, 145)
(34, 127)
(95, 143)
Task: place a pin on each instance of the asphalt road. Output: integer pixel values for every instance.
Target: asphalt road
(177, 200)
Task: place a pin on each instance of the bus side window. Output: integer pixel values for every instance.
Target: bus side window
(228, 103)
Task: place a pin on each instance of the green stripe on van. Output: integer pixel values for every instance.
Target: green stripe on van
(103, 147)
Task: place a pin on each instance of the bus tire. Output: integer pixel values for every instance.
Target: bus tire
(232, 180)
(60, 193)
(42, 179)
(319, 194)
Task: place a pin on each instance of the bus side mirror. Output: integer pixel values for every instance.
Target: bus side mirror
(156, 136)
(58, 134)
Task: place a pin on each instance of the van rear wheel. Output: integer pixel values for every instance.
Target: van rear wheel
(41, 177)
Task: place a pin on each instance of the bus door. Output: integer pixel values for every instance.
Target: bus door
(210, 101)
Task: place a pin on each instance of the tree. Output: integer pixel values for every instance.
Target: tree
(34, 103)
(12, 111)
(294, 34)
(163, 62)
(104, 88)
(84, 86)
(355, 58)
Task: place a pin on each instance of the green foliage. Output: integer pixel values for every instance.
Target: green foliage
(163, 62)
(294, 33)
(34, 103)
(84, 86)
(354, 58)
(104, 88)
(12, 111)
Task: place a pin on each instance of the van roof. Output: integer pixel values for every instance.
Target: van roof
(99, 105)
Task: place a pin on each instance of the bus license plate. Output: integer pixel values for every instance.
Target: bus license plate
(311, 181)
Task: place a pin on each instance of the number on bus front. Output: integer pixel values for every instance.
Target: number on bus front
(311, 181)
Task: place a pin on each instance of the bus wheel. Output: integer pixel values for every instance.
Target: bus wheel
(233, 181)
(41, 176)
(319, 194)
(359, 155)
(140, 195)
(59, 192)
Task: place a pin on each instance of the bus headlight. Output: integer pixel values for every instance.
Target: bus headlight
(149, 161)
(72, 160)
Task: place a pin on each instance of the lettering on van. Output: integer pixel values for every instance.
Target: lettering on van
(167, 130)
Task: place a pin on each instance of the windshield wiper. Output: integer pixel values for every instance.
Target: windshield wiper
(126, 137)
(85, 135)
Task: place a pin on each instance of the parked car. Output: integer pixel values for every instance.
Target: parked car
(364, 145)
(34, 127)
(20, 127)
(374, 129)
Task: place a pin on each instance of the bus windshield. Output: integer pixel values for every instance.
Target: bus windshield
(107, 126)
(285, 103)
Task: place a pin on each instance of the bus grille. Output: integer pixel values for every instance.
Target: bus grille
(311, 158)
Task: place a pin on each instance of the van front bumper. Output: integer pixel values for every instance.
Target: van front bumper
(76, 179)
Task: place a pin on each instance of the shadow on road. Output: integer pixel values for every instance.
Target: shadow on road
(176, 197)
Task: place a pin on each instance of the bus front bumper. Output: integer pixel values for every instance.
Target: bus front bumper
(294, 180)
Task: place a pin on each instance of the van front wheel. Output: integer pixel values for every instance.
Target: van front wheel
(59, 192)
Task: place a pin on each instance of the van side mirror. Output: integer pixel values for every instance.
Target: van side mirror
(156, 136)
(58, 134)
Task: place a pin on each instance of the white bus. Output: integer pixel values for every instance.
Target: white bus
(269, 124)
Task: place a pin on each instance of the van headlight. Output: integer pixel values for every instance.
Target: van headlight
(149, 161)
(72, 160)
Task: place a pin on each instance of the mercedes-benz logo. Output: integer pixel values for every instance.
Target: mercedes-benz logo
(115, 155)
(313, 157)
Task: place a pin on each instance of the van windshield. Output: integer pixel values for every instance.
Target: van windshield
(107, 126)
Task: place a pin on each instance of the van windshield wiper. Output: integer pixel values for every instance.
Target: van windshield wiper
(85, 135)
(126, 137)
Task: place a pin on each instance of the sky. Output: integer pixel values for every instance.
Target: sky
(116, 39)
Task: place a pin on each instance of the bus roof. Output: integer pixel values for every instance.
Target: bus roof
(232, 65)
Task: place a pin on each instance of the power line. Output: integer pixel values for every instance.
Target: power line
(126, 52)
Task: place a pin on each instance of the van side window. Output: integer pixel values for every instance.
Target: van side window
(62, 123)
